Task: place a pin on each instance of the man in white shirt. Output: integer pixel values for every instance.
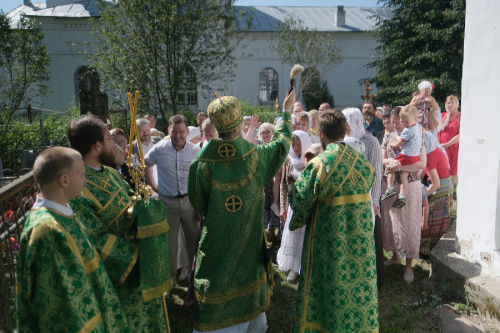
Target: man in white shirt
(173, 158)
(147, 141)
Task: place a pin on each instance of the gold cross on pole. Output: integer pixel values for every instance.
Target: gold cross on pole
(368, 96)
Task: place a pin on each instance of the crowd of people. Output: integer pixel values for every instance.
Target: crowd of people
(333, 188)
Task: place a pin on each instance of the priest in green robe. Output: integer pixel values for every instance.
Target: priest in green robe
(233, 274)
(130, 235)
(338, 283)
(61, 283)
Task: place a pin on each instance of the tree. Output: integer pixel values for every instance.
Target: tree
(424, 40)
(295, 43)
(316, 91)
(24, 65)
(164, 49)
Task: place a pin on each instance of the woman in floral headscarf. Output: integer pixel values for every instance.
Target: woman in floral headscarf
(290, 252)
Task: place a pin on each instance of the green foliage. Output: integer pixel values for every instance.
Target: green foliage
(23, 66)
(164, 49)
(316, 92)
(296, 43)
(23, 136)
(190, 116)
(424, 41)
(265, 112)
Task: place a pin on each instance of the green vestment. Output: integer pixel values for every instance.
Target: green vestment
(226, 185)
(338, 283)
(103, 207)
(62, 285)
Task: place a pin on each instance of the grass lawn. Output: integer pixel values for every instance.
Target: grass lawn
(402, 307)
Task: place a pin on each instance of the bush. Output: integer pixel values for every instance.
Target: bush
(266, 113)
(23, 136)
(316, 92)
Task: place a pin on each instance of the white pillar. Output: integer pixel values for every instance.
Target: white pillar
(478, 226)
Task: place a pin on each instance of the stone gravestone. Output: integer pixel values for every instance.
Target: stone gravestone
(91, 98)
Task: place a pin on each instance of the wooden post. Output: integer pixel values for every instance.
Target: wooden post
(30, 115)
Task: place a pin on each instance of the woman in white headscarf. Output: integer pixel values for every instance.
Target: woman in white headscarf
(373, 154)
(290, 252)
(356, 132)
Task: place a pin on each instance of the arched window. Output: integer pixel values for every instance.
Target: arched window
(268, 85)
(188, 94)
(80, 74)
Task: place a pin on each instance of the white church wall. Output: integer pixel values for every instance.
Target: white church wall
(252, 55)
(60, 35)
(479, 160)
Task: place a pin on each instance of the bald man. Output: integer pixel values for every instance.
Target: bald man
(324, 107)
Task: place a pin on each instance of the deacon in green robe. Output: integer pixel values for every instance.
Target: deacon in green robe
(71, 290)
(61, 283)
(233, 274)
(338, 282)
(130, 236)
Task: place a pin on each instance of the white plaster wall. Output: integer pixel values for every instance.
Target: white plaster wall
(60, 34)
(479, 159)
(254, 54)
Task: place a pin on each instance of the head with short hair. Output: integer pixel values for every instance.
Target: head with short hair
(408, 112)
(266, 132)
(84, 132)
(206, 123)
(209, 131)
(178, 130)
(297, 108)
(369, 106)
(395, 120)
(59, 168)
(151, 118)
(144, 128)
(119, 137)
(333, 126)
(313, 151)
(200, 118)
(323, 107)
(177, 119)
(302, 122)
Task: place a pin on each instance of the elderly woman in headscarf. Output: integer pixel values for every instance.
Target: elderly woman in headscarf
(440, 195)
(290, 252)
(194, 135)
(372, 150)
(373, 154)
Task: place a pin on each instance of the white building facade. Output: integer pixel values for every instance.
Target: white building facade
(478, 224)
(260, 75)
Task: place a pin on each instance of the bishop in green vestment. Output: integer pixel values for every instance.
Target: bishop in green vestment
(233, 274)
(103, 207)
(338, 283)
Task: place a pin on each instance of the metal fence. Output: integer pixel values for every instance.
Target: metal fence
(16, 199)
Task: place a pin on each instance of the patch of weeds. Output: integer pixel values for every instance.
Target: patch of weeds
(464, 308)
